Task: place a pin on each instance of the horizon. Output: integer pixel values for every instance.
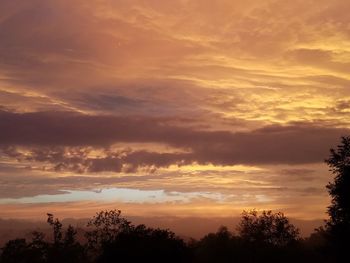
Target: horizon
(181, 109)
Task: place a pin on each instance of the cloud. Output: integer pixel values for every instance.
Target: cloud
(201, 208)
(274, 144)
(101, 52)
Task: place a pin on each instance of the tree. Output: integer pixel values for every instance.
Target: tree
(338, 225)
(15, 251)
(65, 248)
(57, 228)
(38, 248)
(144, 244)
(69, 237)
(267, 228)
(217, 247)
(113, 237)
(106, 226)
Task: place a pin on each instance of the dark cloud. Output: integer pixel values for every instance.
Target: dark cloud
(76, 159)
(45, 132)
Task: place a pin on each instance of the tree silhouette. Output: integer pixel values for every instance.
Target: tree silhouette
(221, 246)
(106, 226)
(20, 251)
(65, 247)
(141, 243)
(57, 228)
(338, 225)
(269, 228)
(113, 237)
(15, 251)
(266, 237)
(38, 248)
(69, 237)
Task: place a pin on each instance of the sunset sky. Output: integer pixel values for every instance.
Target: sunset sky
(171, 108)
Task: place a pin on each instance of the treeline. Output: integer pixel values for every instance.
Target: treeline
(265, 237)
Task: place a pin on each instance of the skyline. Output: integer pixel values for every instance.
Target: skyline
(181, 108)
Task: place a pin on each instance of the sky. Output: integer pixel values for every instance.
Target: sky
(171, 108)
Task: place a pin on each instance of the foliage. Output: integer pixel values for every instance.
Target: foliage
(57, 228)
(268, 237)
(15, 251)
(150, 245)
(112, 236)
(339, 163)
(269, 228)
(338, 225)
(221, 246)
(39, 250)
(106, 225)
